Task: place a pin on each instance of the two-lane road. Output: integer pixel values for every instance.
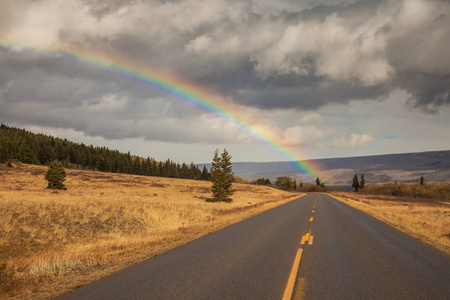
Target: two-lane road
(347, 255)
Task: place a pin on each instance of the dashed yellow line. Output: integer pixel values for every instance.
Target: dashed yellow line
(293, 275)
(306, 237)
(291, 281)
(302, 241)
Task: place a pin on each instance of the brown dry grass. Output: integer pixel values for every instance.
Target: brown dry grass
(425, 219)
(54, 241)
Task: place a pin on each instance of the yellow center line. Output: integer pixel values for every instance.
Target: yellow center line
(311, 219)
(306, 237)
(310, 240)
(291, 281)
(303, 240)
(313, 210)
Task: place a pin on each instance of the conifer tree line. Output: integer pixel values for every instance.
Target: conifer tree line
(40, 149)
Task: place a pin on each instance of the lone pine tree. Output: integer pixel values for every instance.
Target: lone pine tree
(222, 177)
(355, 183)
(362, 183)
(56, 175)
(320, 183)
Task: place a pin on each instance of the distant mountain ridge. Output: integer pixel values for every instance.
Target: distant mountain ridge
(434, 165)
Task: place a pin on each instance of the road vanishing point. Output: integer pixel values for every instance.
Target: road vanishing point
(314, 247)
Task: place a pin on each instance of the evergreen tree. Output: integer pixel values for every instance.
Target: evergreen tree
(362, 183)
(155, 169)
(137, 167)
(162, 170)
(228, 174)
(25, 154)
(103, 164)
(295, 184)
(56, 175)
(355, 183)
(216, 178)
(222, 177)
(3, 150)
(422, 180)
(320, 183)
(185, 172)
(205, 174)
(148, 167)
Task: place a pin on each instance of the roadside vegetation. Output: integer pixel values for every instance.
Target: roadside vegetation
(433, 190)
(427, 219)
(289, 184)
(52, 241)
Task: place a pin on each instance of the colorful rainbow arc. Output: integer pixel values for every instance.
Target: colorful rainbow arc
(176, 87)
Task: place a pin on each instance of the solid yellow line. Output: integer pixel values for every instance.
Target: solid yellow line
(311, 219)
(291, 281)
(307, 237)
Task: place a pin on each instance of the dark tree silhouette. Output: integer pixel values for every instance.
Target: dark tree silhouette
(355, 183)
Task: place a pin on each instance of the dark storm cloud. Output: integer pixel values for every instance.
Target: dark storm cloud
(428, 92)
(309, 97)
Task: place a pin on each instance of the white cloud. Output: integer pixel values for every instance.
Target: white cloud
(310, 119)
(305, 135)
(333, 48)
(355, 141)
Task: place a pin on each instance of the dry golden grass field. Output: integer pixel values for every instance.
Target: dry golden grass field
(425, 219)
(54, 241)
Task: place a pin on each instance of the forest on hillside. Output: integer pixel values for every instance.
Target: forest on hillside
(39, 149)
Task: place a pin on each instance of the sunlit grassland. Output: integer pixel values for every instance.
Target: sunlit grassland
(425, 219)
(54, 241)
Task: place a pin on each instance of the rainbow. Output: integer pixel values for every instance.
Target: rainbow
(178, 88)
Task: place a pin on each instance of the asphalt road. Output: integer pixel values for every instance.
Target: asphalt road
(354, 256)
(345, 255)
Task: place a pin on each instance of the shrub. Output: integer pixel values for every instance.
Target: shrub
(56, 176)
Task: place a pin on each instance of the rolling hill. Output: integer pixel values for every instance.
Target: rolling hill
(407, 167)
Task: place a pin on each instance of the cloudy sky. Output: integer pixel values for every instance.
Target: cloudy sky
(330, 78)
